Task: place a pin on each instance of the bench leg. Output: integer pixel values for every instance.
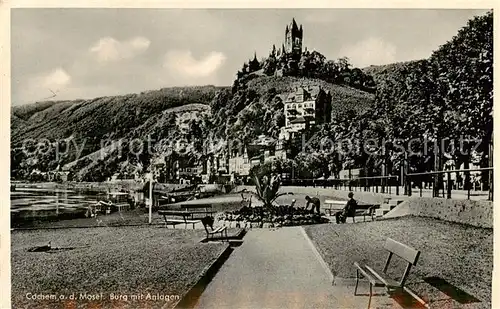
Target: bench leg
(371, 293)
(357, 281)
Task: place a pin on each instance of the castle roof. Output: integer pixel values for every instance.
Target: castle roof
(294, 28)
(307, 93)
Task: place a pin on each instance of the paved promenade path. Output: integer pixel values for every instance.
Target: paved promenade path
(278, 269)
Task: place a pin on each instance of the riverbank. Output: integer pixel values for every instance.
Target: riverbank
(135, 217)
(106, 186)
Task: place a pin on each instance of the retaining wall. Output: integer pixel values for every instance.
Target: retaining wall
(476, 213)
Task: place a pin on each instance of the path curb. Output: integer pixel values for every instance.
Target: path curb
(190, 298)
(318, 255)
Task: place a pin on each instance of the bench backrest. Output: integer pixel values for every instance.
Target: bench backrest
(405, 252)
(195, 206)
(335, 202)
(173, 213)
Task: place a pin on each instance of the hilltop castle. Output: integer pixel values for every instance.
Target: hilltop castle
(293, 40)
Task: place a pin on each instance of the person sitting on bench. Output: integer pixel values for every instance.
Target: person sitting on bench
(315, 203)
(348, 211)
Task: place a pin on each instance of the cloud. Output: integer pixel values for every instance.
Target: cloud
(43, 86)
(109, 49)
(184, 63)
(56, 79)
(370, 51)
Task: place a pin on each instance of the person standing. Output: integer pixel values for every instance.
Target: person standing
(314, 202)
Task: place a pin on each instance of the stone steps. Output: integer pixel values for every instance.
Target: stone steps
(386, 207)
(380, 212)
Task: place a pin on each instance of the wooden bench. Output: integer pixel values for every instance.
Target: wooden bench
(122, 206)
(168, 214)
(377, 279)
(370, 211)
(210, 233)
(197, 209)
(333, 206)
(361, 210)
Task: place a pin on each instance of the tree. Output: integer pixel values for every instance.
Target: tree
(269, 66)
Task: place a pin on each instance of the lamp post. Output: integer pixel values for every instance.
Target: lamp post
(150, 197)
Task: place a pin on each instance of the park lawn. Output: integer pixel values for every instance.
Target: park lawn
(119, 260)
(461, 255)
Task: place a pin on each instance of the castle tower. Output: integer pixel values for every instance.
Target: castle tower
(293, 38)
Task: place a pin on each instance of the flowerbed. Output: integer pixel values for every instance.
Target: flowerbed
(271, 217)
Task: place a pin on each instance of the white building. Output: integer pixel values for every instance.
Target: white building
(306, 106)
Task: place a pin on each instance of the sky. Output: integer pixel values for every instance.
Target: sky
(85, 53)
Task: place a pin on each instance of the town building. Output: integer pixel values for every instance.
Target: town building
(282, 148)
(261, 150)
(239, 163)
(306, 107)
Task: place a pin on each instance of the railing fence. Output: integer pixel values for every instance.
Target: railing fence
(462, 183)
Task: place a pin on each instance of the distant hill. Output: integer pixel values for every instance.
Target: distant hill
(90, 122)
(381, 72)
(86, 125)
(112, 116)
(343, 97)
